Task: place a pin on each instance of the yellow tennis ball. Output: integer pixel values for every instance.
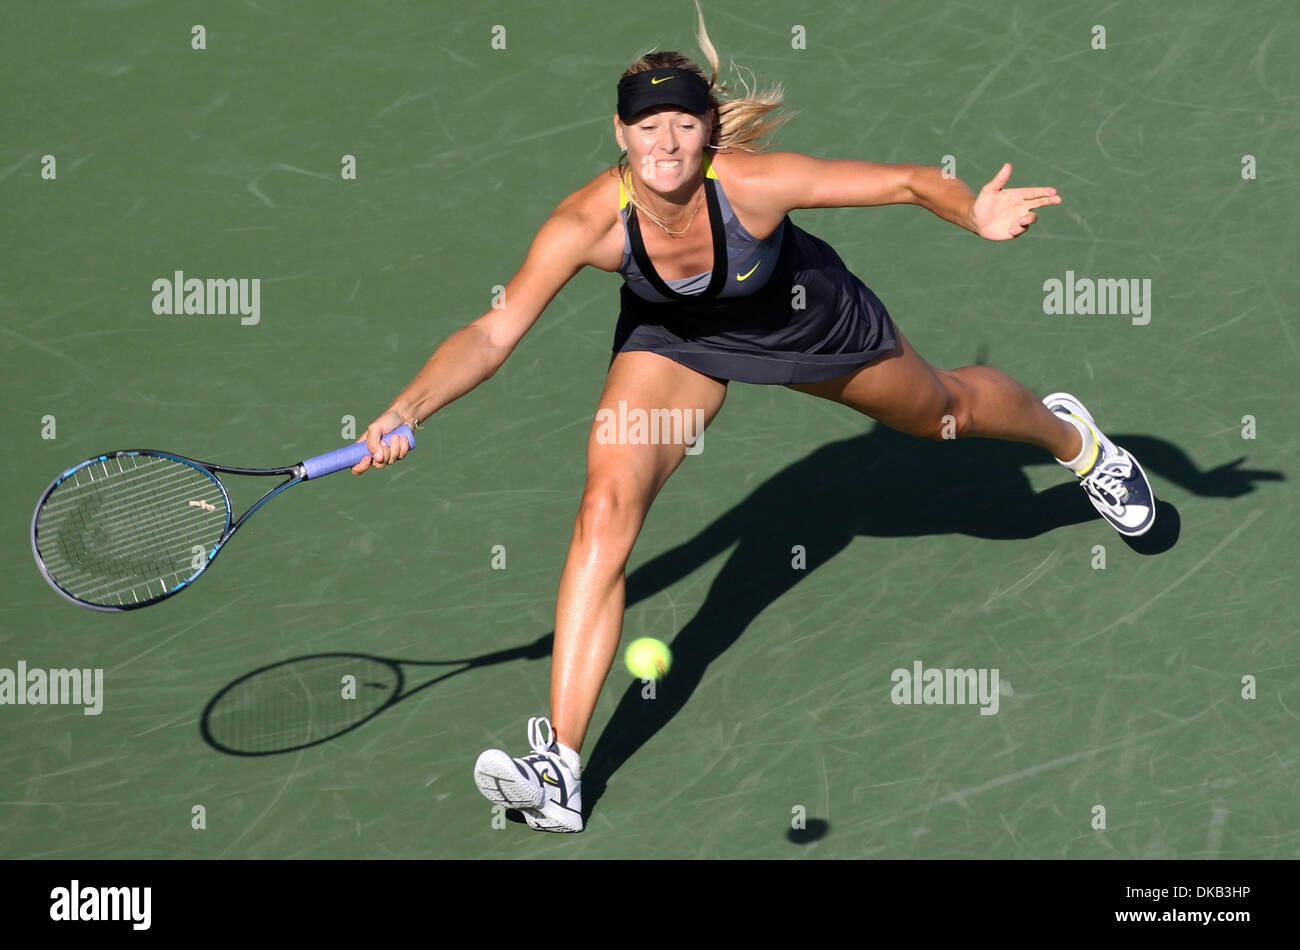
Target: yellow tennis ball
(647, 658)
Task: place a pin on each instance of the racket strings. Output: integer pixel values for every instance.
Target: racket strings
(129, 528)
(134, 528)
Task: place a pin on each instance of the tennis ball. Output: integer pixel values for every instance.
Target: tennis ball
(647, 658)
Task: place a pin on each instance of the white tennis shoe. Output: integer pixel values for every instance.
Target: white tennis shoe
(1112, 479)
(546, 785)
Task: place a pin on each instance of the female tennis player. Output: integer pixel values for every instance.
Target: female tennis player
(720, 285)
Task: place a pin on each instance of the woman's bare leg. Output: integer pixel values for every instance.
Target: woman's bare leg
(622, 481)
(906, 393)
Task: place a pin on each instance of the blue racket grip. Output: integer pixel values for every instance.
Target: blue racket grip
(349, 455)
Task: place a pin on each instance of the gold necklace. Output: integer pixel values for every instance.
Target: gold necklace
(655, 218)
(665, 227)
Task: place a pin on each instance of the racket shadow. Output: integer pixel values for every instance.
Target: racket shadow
(309, 700)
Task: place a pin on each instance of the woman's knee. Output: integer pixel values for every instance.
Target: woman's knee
(611, 510)
(951, 416)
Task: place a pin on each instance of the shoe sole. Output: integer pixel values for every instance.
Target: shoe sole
(500, 782)
(560, 820)
(1072, 405)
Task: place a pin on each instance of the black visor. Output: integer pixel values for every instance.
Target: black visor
(666, 86)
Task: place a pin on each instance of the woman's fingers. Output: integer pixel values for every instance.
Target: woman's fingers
(1000, 179)
(375, 447)
(397, 448)
(386, 453)
(381, 453)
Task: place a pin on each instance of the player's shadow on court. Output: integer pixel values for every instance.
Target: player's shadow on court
(879, 484)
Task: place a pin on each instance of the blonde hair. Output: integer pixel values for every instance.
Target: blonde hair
(744, 122)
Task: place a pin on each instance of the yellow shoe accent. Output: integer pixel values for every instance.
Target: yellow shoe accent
(1096, 447)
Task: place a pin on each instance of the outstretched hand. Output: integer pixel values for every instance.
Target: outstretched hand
(1000, 213)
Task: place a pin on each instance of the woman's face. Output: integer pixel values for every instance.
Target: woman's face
(665, 146)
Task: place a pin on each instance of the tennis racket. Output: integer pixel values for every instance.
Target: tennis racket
(302, 702)
(130, 528)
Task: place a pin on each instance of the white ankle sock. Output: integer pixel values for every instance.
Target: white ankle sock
(1087, 455)
(571, 758)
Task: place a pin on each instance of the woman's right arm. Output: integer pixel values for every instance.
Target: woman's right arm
(475, 352)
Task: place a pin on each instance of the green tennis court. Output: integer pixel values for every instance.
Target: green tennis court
(1147, 708)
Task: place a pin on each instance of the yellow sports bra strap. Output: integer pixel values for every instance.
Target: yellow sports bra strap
(624, 199)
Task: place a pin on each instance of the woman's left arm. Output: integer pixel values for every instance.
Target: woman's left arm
(998, 213)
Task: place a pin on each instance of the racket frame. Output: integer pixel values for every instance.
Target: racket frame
(315, 467)
(296, 473)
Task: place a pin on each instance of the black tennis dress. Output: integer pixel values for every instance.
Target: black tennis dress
(742, 320)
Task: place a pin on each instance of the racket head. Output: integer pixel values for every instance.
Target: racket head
(299, 703)
(128, 528)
